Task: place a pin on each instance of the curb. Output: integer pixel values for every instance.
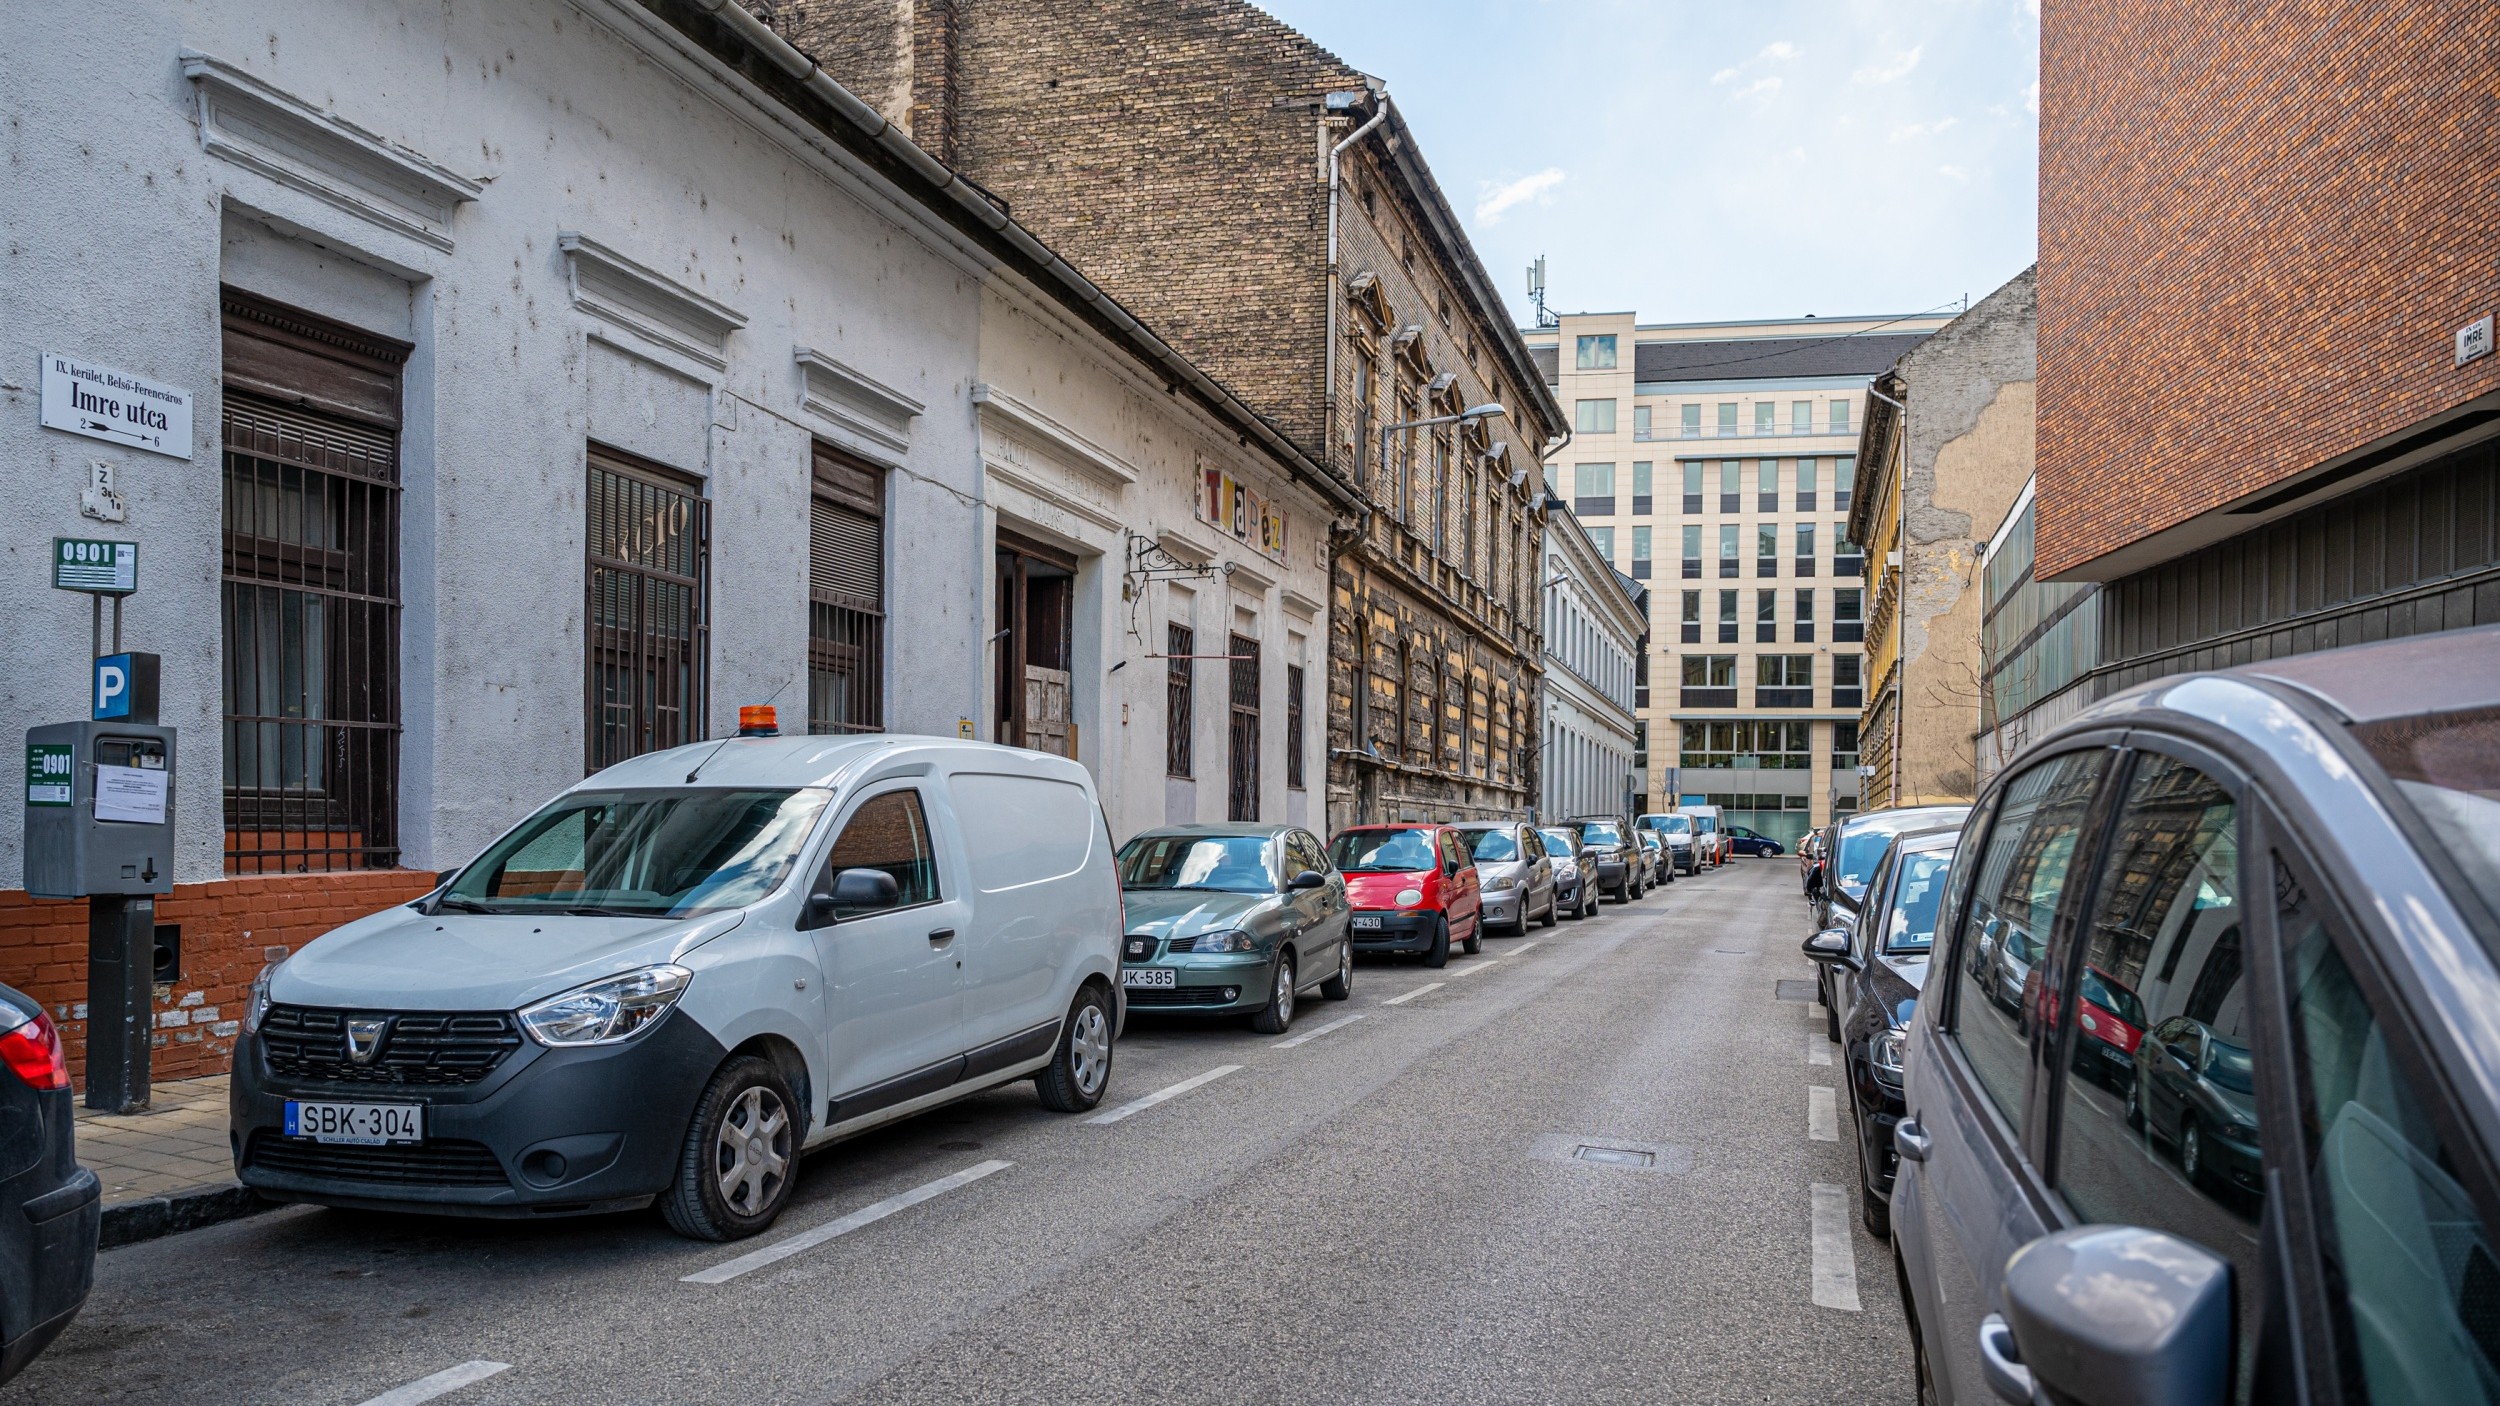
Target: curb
(149, 1217)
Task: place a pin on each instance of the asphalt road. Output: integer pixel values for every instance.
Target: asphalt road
(1384, 1205)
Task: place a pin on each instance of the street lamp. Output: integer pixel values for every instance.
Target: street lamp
(1486, 411)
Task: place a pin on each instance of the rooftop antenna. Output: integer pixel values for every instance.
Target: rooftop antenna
(707, 757)
(1545, 317)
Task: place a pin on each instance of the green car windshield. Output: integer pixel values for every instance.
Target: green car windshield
(642, 854)
(1222, 863)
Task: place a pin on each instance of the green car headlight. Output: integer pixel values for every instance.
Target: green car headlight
(1233, 941)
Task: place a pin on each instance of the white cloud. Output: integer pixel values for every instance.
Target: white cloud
(1887, 70)
(1777, 51)
(1492, 202)
(1955, 173)
(1762, 87)
(1910, 130)
(2031, 97)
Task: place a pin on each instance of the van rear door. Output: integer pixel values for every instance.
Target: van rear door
(1040, 888)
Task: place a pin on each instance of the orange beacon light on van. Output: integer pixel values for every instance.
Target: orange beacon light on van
(757, 720)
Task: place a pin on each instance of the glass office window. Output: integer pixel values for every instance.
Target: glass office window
(1801, 417)
(1806, 474)
(1594, 416)
(1840, 417)
(1596, 353)
(1765, 416)
(1692, 422)
(1640, 421)
(1727, 419)
(1767, 485)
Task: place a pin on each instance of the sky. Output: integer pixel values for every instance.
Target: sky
(1689, 160)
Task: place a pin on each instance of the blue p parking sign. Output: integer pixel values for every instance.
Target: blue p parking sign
(112, 688)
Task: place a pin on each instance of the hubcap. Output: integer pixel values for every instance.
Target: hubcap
(1345, 962)
(1284, 990)
(2187, 1152)
(1089, 1049)
(751, 1156)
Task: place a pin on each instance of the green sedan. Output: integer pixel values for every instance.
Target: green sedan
(1232, 920)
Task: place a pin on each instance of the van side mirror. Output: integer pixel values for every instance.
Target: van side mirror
(854, 891)
(1309, 879)
(2105, 1315)
(1831, 947)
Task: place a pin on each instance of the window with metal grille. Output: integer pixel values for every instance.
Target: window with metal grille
(845, 596)
(1242, 780)
(648, 640)
(1180, 642)
(1293, 726)
(310, 593)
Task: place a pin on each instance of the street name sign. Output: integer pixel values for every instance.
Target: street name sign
(115, 406)
(98, 568)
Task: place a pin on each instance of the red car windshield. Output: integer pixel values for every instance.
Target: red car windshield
(2113, 998)
(1381, 851)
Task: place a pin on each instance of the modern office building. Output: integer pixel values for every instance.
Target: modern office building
(1715, 461)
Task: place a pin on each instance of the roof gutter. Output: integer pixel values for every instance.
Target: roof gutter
(969, 206)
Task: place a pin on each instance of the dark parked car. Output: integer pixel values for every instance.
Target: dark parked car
(2287, 875)
(1810, 853)
(1575, 879)
(1608, 842)
(1878, 971)
(1856, 844)
(49, 1205)
(1753, 842)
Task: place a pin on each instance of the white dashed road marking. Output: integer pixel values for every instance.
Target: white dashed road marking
(1308, 1035)
(866, 1215)
(1403, 998)
(1822, 1114)
(449, 1379)
(1818, 1049)
(1835, 1259)
(1522, 947)
(1140, 1105)
(1457, 972)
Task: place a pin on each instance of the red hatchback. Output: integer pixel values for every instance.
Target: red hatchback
(1412, 888)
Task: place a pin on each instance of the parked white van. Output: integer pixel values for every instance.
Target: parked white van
(1709, 836)
(686, 970)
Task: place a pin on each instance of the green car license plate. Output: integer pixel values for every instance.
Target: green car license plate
(1158, 977)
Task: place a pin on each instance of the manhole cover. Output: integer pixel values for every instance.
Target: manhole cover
(1796, 989)
(1610, 1151)
(1615, 1156)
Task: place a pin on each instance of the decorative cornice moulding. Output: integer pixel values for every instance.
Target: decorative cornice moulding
(1030, 423)
(875, 416)
(246, 121)
(646, 302)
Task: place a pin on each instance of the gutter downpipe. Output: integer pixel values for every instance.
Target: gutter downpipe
(1900, 605)
(778, 51)
(1328, 363)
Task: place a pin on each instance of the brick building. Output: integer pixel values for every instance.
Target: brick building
(2267, 401)
(1265, 207)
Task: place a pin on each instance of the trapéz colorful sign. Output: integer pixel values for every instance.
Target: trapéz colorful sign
(1227, 503)
(115, 406)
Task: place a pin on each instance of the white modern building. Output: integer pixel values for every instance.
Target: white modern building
(1594, 632)
(538, 386)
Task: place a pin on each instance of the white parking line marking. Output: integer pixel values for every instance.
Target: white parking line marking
(1818, 1049)
(1457, 972)
(1522, 947)
(1308, 1035)
(449, 1379)
(866, 1215)
(1822, 1114)
(1404, 997)
(1140, 1105)
(1835, 1259)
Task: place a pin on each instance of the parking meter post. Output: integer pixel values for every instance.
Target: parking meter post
(121, 967)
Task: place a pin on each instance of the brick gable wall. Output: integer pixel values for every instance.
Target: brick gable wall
(2260, 223)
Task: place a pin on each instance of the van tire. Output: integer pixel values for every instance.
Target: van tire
(1340, 986)
(1080, 1069)
(697, 1206)
(1439, 955)
(1276, 1017)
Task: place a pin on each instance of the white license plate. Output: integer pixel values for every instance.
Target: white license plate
(1367, 920)
(363, 1124)
(1160, 977)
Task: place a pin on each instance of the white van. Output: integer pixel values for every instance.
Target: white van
(685, 971)
(1675, 831)
(1709, 836)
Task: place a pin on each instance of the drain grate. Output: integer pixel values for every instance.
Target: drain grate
(1796, 989)
(1733, 951)
(1615, 1156)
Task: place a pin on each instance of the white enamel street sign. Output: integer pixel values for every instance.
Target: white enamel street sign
(115, 406)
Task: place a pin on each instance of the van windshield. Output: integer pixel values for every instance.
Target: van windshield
(1669, 824)
(642, 854)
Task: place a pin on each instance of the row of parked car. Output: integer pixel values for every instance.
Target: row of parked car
(2175, 1057)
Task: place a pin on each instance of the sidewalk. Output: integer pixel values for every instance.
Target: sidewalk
(168, 1169)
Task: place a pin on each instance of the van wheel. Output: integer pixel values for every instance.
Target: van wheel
(1276, 1017)
(1340, 986)
(740, 1157)
(1074, 1079)
(1439, 956)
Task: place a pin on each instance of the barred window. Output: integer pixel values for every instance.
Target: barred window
(1293, 726)
(1180, 643)
(648, 640)
(845, 596)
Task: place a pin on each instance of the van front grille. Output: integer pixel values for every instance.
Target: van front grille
(440, 1162)
(414, 1047)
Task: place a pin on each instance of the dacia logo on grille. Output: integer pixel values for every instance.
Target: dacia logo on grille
(364, 1036)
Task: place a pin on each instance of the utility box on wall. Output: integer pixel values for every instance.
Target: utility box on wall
(99, 809)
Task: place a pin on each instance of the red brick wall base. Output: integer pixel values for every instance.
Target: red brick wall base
(230, 929)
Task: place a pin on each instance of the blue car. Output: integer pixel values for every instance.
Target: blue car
(1743, 841)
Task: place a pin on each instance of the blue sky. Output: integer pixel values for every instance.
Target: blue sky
(1693, 159)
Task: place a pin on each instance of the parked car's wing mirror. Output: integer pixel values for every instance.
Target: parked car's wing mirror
(2106, 1315)
(1309, 879)
(854, 891)
(1831, 945)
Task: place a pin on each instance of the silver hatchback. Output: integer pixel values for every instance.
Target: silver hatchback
(1517, 874)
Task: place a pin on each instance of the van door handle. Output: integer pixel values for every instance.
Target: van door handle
(939, 937)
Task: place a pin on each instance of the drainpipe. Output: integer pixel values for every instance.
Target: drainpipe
(1380, 97)
(1900, 604)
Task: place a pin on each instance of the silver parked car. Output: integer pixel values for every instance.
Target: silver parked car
(1575, 877)
(2232, 1134)
(1517, 874)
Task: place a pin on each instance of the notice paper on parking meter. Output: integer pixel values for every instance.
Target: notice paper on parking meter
(130, 793)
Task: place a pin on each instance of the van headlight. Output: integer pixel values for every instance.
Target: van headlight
(606, 1012)
(256, 1006)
